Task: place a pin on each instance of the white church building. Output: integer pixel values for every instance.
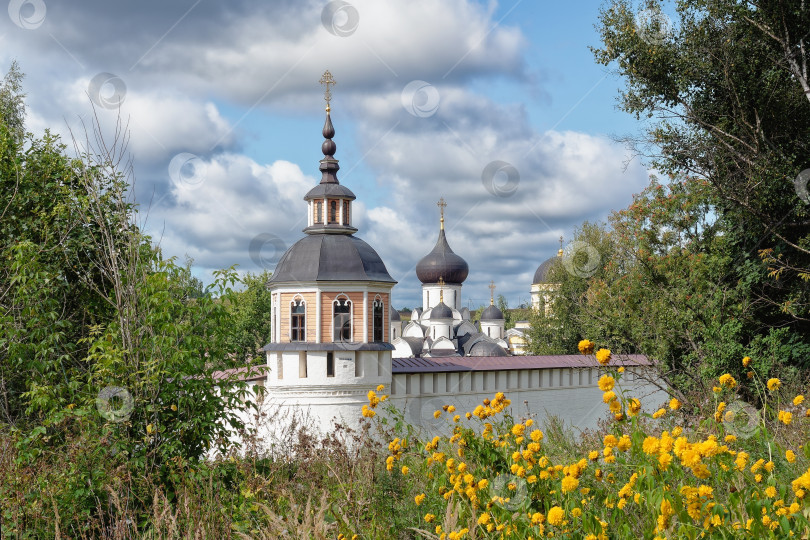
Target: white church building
(335, 335)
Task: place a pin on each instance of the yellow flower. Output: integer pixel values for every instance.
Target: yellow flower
(790, 456)
(798, 400)
(606, 383)
(774, 384)
(785, 417)
(569, 483)
(615, 406)
(746, 361)
(593, 455)
(674, 404)
(429, 518)
(609, 396)
(518, 429)
(664, 460)
(727, 380)
(537, 435)
(633, 406)
(437, 413)
(419, 498)
(585, 346)
(380, 388)
(770, 491)
(150, 429)
(483, 519)
(603, 356)
(405, 469)
(555, 516)
(659, 413)
(650, 445)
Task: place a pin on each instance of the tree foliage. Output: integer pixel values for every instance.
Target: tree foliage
(102, 339)
(712, 265)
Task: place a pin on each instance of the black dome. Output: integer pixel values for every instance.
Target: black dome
(541, 274)
(441, 311)
(443, 263)
(330, 257)
(487, 348)
(492, 313)
(394, 314)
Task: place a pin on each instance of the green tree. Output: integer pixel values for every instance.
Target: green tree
(725, 92)
(251, 313)
(568, 280)
(101, 344)
(12, 101)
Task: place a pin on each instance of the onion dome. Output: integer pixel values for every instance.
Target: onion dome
(487, 348)
(492, 313)
(441, 311)
(394, 314)
(442, 262)
(541, 274)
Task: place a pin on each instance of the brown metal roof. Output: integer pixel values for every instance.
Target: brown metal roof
(493, 363)
(247, 373)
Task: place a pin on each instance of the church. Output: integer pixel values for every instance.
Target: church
(443, 329)
(336, 336)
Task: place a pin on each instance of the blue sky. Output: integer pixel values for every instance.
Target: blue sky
(233, 87)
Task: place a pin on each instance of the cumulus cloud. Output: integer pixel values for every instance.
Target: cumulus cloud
(194, 71)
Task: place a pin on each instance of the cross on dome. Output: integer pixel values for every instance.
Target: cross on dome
(491, 293)
(442, 205)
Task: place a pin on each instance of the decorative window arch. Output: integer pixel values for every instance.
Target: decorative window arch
(377, 319)
(298, 319)
(342, 318)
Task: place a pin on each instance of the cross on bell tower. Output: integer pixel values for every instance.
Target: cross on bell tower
(326, 80)
(491, 293)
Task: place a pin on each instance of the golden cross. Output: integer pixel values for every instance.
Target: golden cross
(560, 252)
(442, 205)
(491, 293)
(327, 79)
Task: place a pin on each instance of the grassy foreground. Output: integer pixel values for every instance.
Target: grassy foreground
(712, 467)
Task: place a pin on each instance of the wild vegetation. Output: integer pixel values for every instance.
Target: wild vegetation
(112, 424)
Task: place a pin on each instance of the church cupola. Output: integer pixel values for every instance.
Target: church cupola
(329, 208)
(492, 319)
(442, 264)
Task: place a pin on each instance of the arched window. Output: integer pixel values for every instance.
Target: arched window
(342, 319)
(318, 218)
(377, 320)
(333, 209)
(345, 212)
(298, 319)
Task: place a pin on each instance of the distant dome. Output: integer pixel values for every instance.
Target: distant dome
(541, 274)
(487, 348)
(442, 263)
(394, 315)
(492, 313)
(330, 257)
(441, 311)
